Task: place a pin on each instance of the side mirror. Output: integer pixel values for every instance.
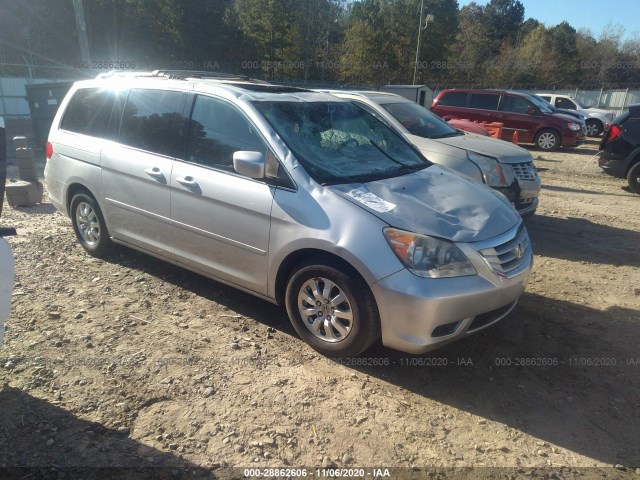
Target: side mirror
(249, 164)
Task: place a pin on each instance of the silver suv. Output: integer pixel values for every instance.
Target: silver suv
(595, 118)
(501, 165)
(297, 197)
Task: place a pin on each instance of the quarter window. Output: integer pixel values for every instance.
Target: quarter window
(453, 99)
(89, 112)
(151, 121)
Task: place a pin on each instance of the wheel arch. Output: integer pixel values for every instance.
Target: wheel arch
(634, 158)
(73, 190)
(294, 258)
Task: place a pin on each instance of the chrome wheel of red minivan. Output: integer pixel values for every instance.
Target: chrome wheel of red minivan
(548, 140)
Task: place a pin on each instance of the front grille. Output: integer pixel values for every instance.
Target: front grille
(489, 317)
(507, 257)
(525, 171)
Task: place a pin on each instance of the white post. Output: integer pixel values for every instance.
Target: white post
(415, 68)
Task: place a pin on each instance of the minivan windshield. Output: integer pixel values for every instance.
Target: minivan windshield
(541, 103)
(339, 142)
(420, 121)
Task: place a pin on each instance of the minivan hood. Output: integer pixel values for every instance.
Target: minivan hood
(504, 152)
(567, 117)
(598, 110)
(434, 201)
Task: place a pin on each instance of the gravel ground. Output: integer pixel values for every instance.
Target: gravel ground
(132, 362)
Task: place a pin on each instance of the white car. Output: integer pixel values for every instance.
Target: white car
(6, 257)
(596, 118)
(501, 165)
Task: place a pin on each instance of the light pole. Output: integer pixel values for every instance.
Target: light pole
(428, 19)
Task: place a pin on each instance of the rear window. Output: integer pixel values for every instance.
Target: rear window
(89, 112)
(453, 99)
(485, 101)
(151, 121)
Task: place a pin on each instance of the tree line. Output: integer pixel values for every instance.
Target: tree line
(347, 42)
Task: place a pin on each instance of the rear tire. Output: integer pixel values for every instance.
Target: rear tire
(633, 177)
(594, 128)
(548, 140)
(89, 225)
(332, 309)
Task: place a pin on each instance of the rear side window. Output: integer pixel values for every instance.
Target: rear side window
(485, 101)
(565, 103)
(216, 130)
(632, 123)
(89, 112)
(453, 99)
(152, 120)
(511, 103)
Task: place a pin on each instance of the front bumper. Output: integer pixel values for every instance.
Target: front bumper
(572, 138)
(419, 314)
(523, 195)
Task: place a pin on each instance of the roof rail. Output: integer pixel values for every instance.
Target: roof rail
(181, 75)
(120, 73)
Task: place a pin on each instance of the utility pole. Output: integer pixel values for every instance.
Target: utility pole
(420, 29)
(82, 33)
(415, 68)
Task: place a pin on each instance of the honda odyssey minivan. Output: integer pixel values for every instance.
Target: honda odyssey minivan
(298, 197)
(533, 122)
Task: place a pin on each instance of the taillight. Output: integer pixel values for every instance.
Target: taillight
(614, 132)
(49, 150)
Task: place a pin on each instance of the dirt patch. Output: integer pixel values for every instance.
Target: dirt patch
(134, 362)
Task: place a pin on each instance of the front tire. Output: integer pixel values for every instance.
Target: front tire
(548, 140)
(633, 177)
(332, 309)
(594, 128)
(89, 225)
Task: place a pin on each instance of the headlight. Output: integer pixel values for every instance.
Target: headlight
(492, 172)
(575, 127)
(428, 256)
(610, 115)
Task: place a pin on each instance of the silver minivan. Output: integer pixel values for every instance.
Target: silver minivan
(503, 166)
(298, 197)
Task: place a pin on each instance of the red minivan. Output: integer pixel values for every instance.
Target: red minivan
(534, 121)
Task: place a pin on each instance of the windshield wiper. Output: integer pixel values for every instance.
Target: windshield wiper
(405, 165)
(450, 134)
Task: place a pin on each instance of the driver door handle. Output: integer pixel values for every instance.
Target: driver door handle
(154, 172)
(187, 181)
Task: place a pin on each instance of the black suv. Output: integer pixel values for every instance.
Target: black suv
(620, 147)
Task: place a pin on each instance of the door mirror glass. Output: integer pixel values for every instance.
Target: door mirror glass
(249, 164)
